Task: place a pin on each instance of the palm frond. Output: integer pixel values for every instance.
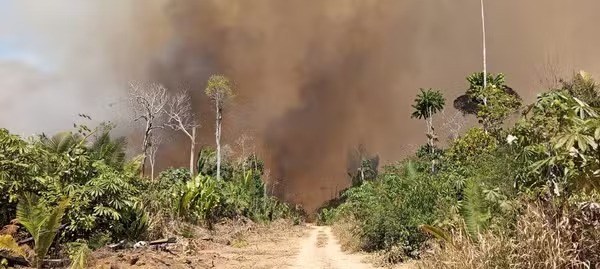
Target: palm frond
(60, 142)
(41, 222)
(436, 232)
(112, 151)
(49, 229)
(29, 214)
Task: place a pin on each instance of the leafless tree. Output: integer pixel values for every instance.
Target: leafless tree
(244, 145)
(454, 124)
(148, 101)
(219, 89)
(155, 140)
(182, 118)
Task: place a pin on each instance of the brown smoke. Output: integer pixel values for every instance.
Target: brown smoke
(316, 78)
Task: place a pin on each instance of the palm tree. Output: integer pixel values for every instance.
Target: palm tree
(428, 103)
(60, 142)
(41, 222)
(110, 150)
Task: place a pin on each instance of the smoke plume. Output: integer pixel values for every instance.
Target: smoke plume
(314, 79)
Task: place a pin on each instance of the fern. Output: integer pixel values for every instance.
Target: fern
(8, 244)
(472, 209)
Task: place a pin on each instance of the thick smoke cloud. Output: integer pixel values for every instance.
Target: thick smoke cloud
(316, 78)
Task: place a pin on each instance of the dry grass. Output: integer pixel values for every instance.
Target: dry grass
(490, 252)
(546, 237)
(344, 232)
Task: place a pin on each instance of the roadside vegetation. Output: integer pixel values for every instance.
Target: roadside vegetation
(499, 195)
(70, 193)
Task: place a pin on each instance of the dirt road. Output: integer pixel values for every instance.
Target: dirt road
(322, 251)
(260, 247)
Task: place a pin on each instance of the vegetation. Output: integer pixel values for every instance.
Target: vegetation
(523, 195)
(77, 191)
(219, 89)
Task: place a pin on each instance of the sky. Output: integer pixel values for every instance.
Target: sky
(48, 69)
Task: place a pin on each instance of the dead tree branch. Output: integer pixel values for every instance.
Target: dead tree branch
(182, 118)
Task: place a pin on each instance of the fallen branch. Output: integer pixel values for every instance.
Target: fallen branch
(123, 244)
(52, 263)
(12, 261)
(170, 240)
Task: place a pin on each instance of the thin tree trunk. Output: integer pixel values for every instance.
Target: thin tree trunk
(218, 141)
(145, 148)
(193, 153)
(484, 49)
(152, 171)
(485, 125)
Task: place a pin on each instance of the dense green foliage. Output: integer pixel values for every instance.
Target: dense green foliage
(109, 200)
(492, 184)
(387, 215)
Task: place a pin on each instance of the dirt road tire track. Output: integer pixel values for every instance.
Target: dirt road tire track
(322, 251)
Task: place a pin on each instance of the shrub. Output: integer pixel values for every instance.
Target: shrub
(388, 211)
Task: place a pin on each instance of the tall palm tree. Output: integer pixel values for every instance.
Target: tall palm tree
(428, 103)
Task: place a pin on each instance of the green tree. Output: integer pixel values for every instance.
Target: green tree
(492, 104)
(219, 89)
(428, 103)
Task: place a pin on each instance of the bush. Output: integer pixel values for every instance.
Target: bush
(388, 211)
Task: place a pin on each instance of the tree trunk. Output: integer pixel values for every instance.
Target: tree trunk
(484, 47)
(218, 141)
(193, 153)
(145, 149)
(152, 170)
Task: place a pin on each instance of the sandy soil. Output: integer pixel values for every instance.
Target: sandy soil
(322, 251)
(253, 246)
(230, 247)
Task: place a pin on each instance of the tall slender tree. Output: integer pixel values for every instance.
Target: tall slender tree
(428, 103)
(484, 46)
(219, 89)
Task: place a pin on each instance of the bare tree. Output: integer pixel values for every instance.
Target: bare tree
(245, 146)
(454, 124)
(182, 118)
(149, 101)
(219, 89)
(155, 140)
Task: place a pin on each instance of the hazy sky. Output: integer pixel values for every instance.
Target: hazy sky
(48, 72)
